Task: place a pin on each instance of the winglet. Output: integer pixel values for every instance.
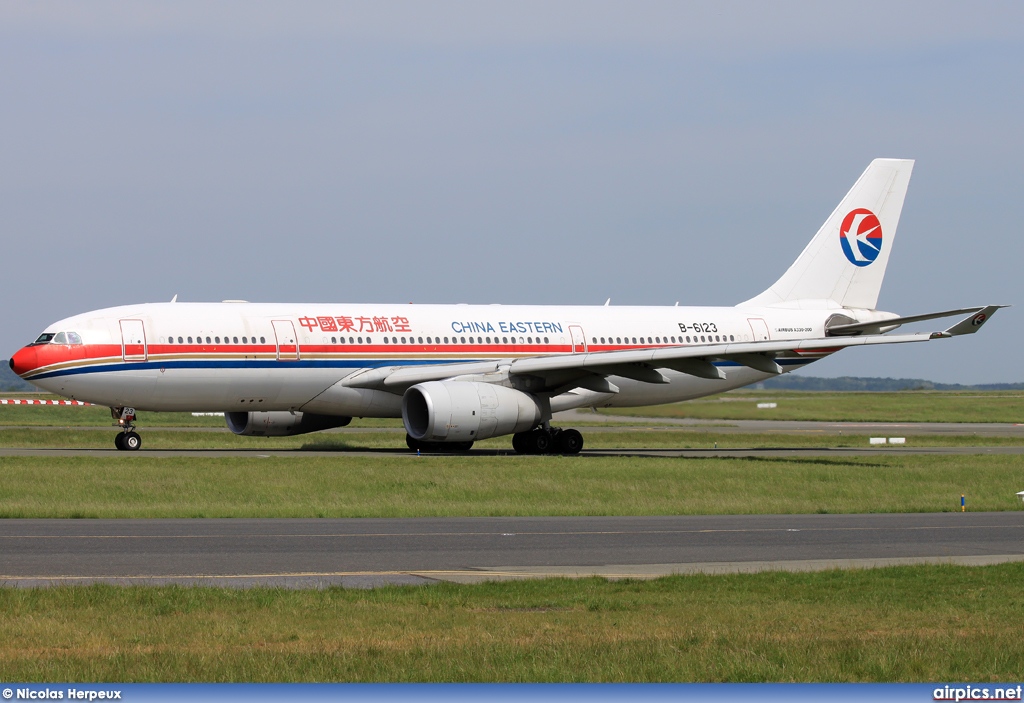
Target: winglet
(970, 325)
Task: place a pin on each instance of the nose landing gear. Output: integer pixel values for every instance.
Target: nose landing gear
(128, 439)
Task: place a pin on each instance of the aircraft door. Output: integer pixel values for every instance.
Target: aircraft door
(760, 329)
(287, 341)
(579, 340)
(133, 340)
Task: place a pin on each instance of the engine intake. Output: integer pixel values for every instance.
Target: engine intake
(281, 423)
(464, 411)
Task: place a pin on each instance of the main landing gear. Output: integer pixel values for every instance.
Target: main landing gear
(548, 440)
(128, 439)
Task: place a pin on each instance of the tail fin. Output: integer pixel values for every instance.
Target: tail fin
(845, 262)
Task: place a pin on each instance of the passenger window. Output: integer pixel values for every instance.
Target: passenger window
(234, 340)
(546, 340)
(180, 342)
(394, 340)
(420, 340)
(334, 340)
(217, 339)
(245, 340)
(208, 340)
(385, 340)
(189, 340)
(732, 338)
(504, 340)
(263, 340)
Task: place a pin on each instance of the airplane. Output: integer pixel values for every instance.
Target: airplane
(457, 374)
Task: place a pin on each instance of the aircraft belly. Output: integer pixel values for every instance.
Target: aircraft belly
(240, 389)
(355, 402)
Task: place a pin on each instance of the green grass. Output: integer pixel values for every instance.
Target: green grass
(902, 406)
(925, 623)
(136, 486)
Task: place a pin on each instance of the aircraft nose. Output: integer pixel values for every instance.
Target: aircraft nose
(23, 361)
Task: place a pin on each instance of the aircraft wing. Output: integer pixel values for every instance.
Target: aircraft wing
(564, 372)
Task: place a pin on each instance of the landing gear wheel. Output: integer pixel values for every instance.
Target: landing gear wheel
(119, 441)
(540, 442)
(132, 441)
(570, 442)
(521, 442)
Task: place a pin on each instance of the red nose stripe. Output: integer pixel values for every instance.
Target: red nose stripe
(24, 361)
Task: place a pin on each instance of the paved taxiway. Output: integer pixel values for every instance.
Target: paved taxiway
(366, 552)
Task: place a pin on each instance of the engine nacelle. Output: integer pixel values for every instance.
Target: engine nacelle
(463, 411)
(281, 423)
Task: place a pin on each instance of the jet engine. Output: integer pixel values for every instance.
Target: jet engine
(281, 423)
(464, 411)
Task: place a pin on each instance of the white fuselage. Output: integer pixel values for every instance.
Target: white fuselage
(262, 357)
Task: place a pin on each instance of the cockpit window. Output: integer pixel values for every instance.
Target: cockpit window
(74, 338)
(44, 338)
(60, 338)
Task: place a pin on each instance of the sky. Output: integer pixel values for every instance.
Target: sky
(520, 153)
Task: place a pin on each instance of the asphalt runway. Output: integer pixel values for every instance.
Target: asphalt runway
(368, 552)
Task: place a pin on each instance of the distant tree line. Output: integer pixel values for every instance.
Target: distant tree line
(793, 382)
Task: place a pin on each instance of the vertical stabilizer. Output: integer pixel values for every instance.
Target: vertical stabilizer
(845, 262)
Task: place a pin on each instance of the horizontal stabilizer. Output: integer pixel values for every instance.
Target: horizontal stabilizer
(973, 323)
(876, 326)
